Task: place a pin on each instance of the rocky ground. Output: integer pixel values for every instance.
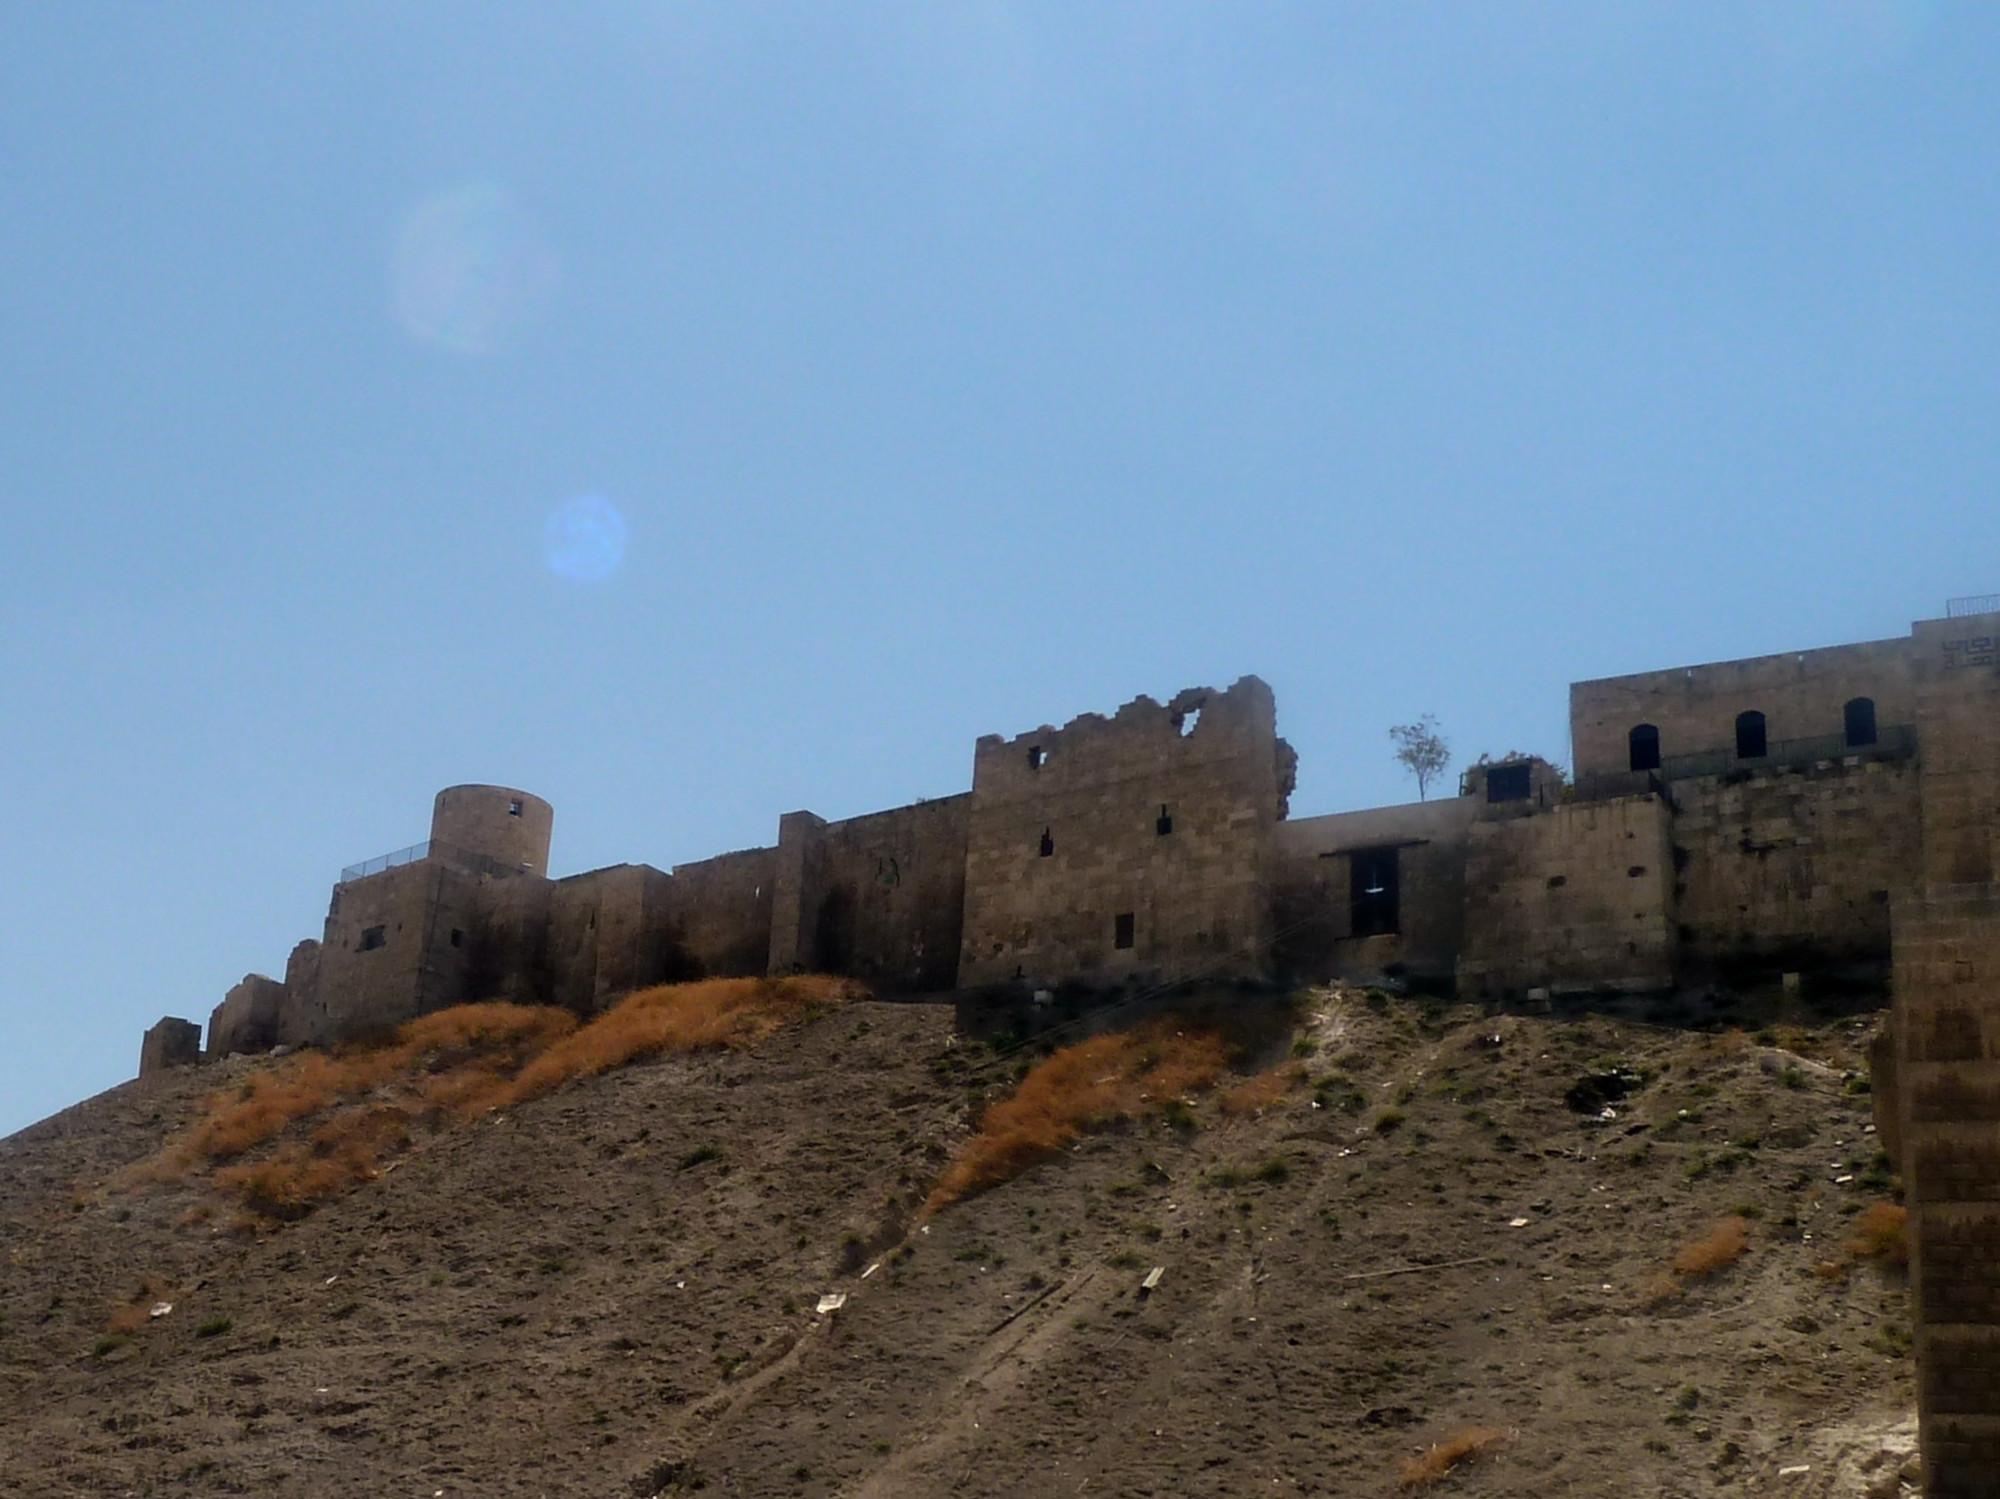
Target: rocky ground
(614, 1290)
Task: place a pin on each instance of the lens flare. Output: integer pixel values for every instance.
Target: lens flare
(585, 538)
(470, 271)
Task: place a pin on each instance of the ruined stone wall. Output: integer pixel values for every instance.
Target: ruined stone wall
(611, 931)
(247, 1018)
(171, 1042)
(396, 946)
(1958, 727)
(1947, 1027)
(892, 896)
(1152, 828)
(1800, 693)
(720, 909)
(1576, 898)
(1794, 869)
(507, 956)
(1313, 901)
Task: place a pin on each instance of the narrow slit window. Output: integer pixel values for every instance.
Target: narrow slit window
(1860, 721)
(457, 937)
(1036, 756)
(1048, 845)
(1164, 823)
(1373, 894)
(374, 937)
(514, 807)
(1751, 743)
(1121, 930)
(1644, 742)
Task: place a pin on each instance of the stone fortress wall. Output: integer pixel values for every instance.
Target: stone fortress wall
(1743, 818)
(1808, 813)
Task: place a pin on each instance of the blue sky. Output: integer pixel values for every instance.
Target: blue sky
(951, 369)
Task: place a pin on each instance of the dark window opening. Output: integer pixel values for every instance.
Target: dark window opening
(1557, 881)
(1372, 893)
(1036, 755)
(1644, 742)
(1121, 929)
(1508, 783)
(1635, 871)
(457, 937)
(1048, 844)
(374, 937)
(1860, 716)
(1750, 741)
(1164, 824)
(514, 808)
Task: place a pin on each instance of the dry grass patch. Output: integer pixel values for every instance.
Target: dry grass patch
(366, 1100)
(1461, 1447)
(1263, 1091)
(1081, 1087)
(1718, 1249)
(1882, 1234)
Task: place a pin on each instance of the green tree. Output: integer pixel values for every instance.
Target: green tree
(1422, 751)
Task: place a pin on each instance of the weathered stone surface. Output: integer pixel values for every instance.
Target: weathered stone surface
(170, 1043)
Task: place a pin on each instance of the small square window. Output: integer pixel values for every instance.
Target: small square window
(1036, 756)
(1048, 845)
(1121, 929)
(374, 937)
(1164, 823)
(514, 807)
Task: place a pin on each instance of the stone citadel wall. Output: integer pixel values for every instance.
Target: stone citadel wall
(1822, 810)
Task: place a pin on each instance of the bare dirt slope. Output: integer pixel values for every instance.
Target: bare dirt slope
(612, 1290)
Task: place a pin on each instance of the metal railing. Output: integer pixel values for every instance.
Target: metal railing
(1972, 603)
(443, 853)
(1892, 742)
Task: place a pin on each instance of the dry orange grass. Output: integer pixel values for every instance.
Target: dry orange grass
(682, 1017)
(1460, 1447)
(1262, 1091)
(457, 1063)
(1882, 1234)
(1718, 1249)
(1089, 1084)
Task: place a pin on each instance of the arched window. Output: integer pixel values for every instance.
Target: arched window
(1860, 716)
(1750, 742)
(1644, 742)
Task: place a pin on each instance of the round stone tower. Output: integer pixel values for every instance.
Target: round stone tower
(507, 826)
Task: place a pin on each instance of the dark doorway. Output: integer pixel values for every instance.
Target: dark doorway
(1860, 717)
(1508, 783)
(1372, 892)
(1645, 746)
(1750, 741)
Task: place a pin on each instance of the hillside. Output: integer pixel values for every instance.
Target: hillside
(612, 1289)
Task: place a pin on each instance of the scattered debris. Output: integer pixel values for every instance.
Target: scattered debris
(832, 1301)
(1593, 1093)
(160, 1309)
(1152, 1280)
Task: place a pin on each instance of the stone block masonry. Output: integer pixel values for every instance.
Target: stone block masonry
(1131, 849)
(1947, 1029)
(170, 1043)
